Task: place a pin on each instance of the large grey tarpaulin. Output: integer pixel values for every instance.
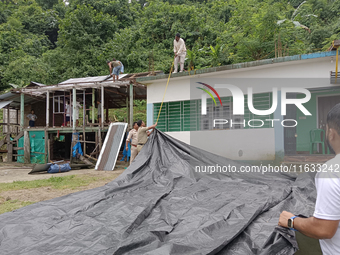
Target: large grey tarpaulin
(160, 205)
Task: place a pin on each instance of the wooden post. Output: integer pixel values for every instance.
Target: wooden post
(9, 148)
(96, 142)
(93, 103)
(84, 139)
(107, 109)
(74, 106)
(17, 121)
(22, 110)
(47, 110)
(131, 105)
(64, 114)
(49, 150)
(100, 139)
(73, 140)
(84, 117)
(70, 101)
(127, 109)
(102, 107)
(27, 148)
(46, 145)
(84, 108)
(336, 64)
(8, 120)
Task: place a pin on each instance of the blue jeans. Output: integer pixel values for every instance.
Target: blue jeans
(31, 123)
(116, 70)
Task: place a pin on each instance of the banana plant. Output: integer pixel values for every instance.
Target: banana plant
(294, 15)
(191, 57)
(216, 54)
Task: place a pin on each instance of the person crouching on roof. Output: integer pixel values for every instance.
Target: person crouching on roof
(116, 67)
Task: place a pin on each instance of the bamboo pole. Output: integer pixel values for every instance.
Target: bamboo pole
(8, 120)
(46, 145)
(47, 109)
(102, 107)
(27, 148)
(131, 105)
(9, 148)
(93, 103)
(74, 106)
(22, 110)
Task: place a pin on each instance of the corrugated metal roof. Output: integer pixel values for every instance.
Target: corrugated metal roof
(6, 95)
(90, 79)
(4, 103)
(37, 84)
(15, 98)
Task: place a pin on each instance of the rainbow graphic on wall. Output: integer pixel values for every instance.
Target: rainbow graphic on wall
(209, 93)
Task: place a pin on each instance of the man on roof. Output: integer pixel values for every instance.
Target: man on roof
(180, 52)
(116, 67)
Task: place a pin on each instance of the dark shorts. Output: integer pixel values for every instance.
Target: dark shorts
(99, 116)
(67, 118)
(31, 123)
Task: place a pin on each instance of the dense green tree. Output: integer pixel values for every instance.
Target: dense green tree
(47, 4)
(53, 40)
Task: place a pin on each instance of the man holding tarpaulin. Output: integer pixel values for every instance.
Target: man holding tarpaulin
(133, 138)
(143, 134)
(324, 224)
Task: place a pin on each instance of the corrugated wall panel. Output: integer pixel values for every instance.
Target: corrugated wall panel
(110, 150)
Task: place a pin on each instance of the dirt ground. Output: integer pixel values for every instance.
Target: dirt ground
(16, 172)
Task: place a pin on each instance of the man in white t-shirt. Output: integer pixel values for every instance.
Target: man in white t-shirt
(180, 52)
(324, 224)
(78, 106)
(68, 113)
(32, 118)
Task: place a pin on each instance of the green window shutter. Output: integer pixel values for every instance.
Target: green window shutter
(190, 115)
(262, 101)
(174, 116)
(178, 116)
(163, 120)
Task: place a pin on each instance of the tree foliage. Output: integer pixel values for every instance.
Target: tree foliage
(49, 41)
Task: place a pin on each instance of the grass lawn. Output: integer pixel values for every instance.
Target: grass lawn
(11, 205)
(22, 193)
(70, 181)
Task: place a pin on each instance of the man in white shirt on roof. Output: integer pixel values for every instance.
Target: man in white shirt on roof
(324, 224)
(180, 52)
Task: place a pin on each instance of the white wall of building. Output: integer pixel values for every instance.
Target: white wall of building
(238, 144)
(255, 144)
